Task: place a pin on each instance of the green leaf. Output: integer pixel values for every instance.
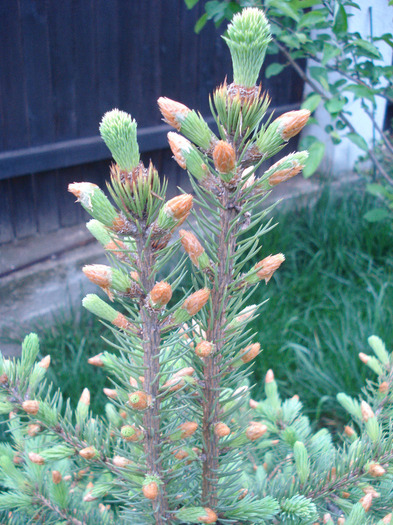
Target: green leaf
(312, 102)
(379, 191)
(377, 215)
(312, 18)
(285, 8)
(315, 155)
(361, 92)
(274, 69)
(340, 21)
(366, 49)
(336, 139)
(329, 52)
(200, 24)
(191, 3)
(335, 105)
(320, 75)
(358, 140)
(304, 4)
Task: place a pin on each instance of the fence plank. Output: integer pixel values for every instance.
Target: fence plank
(66, 64)
(23, 206)
(13, 89)
(63, 68)
(37, 69)
(6, 229)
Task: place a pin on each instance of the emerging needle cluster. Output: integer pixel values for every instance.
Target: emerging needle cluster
(181, 440)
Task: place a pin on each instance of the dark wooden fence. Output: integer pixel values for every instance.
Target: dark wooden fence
(63, 64)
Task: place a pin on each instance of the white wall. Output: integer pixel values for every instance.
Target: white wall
(342, 157)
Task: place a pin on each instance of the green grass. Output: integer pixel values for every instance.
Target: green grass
(70, 341)
(333, 291)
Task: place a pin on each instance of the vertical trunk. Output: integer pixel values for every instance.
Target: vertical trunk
(151, 338)
(215, 334)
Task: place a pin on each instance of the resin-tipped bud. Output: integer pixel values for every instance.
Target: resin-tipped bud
(160, 294)
(96, 360)
(184, 430)
(31, 406)
(130, 433)
(45, 362)
(366, 502)
(247, 37)
(36, 458)
(175, 211)
(56, 477)
(101, 309)
(110, 392)
(292, 122)
(194, 249)
(94, 202)
(376, 470)
(107, 277)
(265, 268)
(187, 156)
(250, 352)
(367, 412)
(204, 349)
(139, 400)
(118, 131)
(85, 397)
(197, 515)
(88, 453)
(255, 430)
(284, 169)
(221, 429)
(224, 158)
(191, 306)
(33, 429)
(150, 490)
(120, 461)
(372, 362)
(173, 112)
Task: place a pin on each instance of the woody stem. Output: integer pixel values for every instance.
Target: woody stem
(215, 334)
(151, 338)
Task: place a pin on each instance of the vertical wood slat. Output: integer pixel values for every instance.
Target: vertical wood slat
(35, 44)
(62, 68)
(67, 63)
(13, 94)
(83, 42)
(6, 229)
